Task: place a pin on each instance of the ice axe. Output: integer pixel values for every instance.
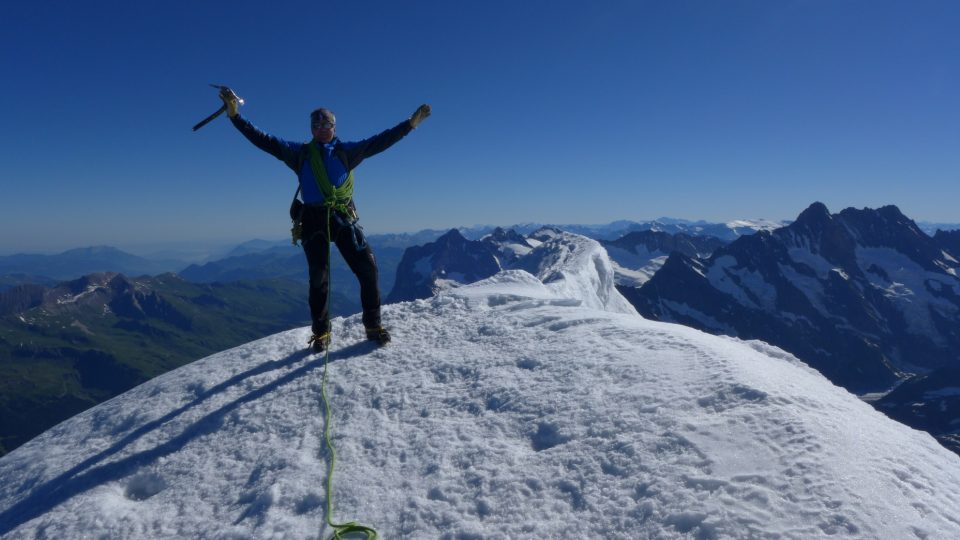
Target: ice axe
(207, 120)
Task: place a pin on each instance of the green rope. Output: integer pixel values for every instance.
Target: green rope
(350, 527)
(336, 197)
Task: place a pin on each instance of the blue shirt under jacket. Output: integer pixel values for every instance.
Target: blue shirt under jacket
(336, 172)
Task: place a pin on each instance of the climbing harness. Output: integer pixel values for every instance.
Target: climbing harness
(339, 199)
(342, 528)
(357, 237)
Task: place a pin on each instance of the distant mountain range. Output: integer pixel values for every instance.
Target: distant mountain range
(862, 296)
(288, 262)
(453, 260)
(931, 228)
(77, 262)
(611, 231)
(266, 258)
(246, 262)
(637, 256)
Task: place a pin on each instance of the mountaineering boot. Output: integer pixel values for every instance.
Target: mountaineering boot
(319, 343)
(378, 334)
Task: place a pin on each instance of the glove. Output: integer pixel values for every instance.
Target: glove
(231, 101)
(421, 113)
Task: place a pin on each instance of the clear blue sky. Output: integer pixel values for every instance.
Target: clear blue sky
(553, 111)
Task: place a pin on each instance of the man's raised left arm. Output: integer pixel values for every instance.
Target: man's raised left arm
(358, 151)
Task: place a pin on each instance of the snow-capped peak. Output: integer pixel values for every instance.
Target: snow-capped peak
(524, 405)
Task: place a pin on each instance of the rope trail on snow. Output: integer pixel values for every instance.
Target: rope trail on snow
(342, 528)
(339, 529)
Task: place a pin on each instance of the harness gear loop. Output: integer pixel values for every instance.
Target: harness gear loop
(339, 529)
(296, 216)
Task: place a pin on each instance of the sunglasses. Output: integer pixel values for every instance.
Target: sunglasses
(323, 125)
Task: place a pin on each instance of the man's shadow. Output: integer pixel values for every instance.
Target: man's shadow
(86, 475)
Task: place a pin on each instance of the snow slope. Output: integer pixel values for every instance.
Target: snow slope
(509, 408)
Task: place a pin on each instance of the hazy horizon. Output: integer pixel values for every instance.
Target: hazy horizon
(204, 247)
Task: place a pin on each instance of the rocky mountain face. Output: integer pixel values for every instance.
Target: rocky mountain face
(863, 296)
(651, 241)
(637, 256)
(949, 241)
(449, 261)
(21, 298)
(929, 402)
(509, 245)
(68, 347)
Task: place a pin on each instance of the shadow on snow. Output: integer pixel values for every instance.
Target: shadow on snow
(87, 474)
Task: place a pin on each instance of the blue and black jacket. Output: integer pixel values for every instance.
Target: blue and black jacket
(339, 157)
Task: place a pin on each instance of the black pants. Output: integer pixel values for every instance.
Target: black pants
(361, 262)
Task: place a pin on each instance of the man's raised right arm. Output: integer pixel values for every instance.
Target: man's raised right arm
(285, 151)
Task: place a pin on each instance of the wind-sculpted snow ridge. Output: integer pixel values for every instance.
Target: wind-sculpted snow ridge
(504, 409)
(577, 267)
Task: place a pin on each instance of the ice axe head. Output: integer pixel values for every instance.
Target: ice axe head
(226, 92)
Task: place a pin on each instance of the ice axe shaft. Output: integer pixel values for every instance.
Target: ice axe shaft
(219, 111)
(207, 120)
